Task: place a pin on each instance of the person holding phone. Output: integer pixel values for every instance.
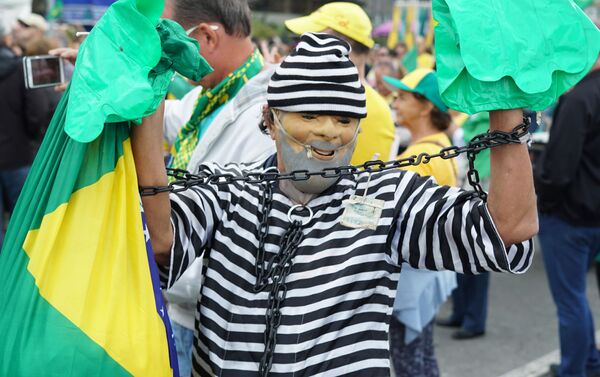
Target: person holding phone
(24, 115)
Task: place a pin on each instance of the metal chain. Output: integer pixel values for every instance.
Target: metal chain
(263, 230)
(276, 270)
(184, 179)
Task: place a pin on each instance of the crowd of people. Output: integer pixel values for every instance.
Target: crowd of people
(26, 113)
(359, 265)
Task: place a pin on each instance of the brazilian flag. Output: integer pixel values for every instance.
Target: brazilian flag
(80, 296)
(80, 293)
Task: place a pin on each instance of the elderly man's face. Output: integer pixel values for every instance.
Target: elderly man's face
(21, 34)
(207, 34)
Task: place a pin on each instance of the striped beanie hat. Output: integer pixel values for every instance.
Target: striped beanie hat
(318, 78)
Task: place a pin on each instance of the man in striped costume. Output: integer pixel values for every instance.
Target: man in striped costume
(300, 277)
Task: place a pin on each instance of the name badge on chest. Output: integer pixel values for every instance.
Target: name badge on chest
(361, 212)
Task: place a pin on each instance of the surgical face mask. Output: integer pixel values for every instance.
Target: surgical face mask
(305, 160)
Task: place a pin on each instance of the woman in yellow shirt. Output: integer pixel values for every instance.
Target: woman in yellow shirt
(420, 109)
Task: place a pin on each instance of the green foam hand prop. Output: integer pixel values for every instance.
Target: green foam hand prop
(512, 53)
(125, 65)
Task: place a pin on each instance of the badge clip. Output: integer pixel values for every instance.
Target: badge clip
(361, 212)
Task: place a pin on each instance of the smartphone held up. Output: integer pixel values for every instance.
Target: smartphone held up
(43, 71)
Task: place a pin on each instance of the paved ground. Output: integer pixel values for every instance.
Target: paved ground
(522, 329)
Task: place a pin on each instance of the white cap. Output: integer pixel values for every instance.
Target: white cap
(34, 20)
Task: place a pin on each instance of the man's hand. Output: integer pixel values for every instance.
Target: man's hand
(511, 200)
(70, 55)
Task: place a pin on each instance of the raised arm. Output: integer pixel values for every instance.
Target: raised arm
(511, 199)
(446, 228)
(146, 142)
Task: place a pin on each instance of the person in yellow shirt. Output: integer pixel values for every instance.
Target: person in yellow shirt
(350, 22)
(420, 109)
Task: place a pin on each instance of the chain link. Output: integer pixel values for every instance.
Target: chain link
(277, 270)
(185, 180)
(263, 231)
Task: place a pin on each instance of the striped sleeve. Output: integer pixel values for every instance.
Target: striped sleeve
(444, 228)
(195, 215)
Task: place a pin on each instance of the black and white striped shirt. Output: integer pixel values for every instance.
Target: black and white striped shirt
(341, 287)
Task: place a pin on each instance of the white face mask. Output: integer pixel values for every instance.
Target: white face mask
(304, 159)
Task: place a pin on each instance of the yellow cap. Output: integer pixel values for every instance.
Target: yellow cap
(347, 19)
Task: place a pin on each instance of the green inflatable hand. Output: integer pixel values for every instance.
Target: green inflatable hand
(124, 67)
(512, 53)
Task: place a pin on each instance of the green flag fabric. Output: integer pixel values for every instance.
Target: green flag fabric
(80, 292)
(478, 124)
(78, 288)
(488, 58)
(409, 60)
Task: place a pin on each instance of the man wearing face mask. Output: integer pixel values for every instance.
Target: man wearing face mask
(300, 276)
(296, 155)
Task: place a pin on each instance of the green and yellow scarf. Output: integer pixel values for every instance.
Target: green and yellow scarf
(207, 102)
